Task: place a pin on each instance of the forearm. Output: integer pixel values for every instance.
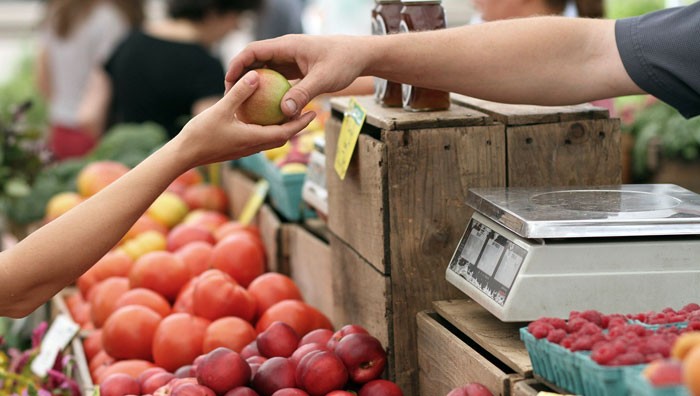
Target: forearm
(547, 60)
(56, 254)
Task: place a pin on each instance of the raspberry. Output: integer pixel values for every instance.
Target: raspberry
(576, 323)
(593, 316)
(692, 307)
(630, 358)
(556, 335)
(668, 310)
(539, 329)
(557, 323)
(567, 341)
(582, 343)
(604, 353)
(694, 325)
(589, 329)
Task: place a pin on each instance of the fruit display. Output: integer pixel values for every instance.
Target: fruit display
(631, 351)
(183, 305)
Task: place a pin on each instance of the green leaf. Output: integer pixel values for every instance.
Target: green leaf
(17, 188)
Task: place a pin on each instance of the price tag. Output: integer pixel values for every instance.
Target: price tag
(349, 132)
(56, 339)
(254, 202)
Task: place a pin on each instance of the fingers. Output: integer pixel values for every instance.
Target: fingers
(301, 94)
(241, 90)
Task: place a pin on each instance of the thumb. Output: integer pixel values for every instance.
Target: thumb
(242, 90)
(300, 95)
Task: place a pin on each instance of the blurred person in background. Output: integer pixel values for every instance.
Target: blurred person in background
(77, 36)
(166, 72)
(279, 17)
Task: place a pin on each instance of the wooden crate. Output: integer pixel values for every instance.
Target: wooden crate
(309, 262)
(401, 209)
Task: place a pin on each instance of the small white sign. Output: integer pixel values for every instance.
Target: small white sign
(56, 339)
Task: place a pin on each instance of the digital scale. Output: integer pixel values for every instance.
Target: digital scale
(534, 252)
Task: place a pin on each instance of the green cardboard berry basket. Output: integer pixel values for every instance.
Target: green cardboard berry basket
(639, 386)
(553, 362)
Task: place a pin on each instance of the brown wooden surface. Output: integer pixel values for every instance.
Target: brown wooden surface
(429, 174)
(270, 227)
(512, 114)
(361, 294)
(239, 187)
(564, 154)
(396, 118)
(447, 362)
(356, 211)
(310, 268)
(498, 338)
(531, 387)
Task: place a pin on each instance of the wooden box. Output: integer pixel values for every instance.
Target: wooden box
(397, 217)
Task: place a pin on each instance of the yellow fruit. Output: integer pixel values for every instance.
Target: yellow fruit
(691, 371)
(149, 241)
(684, 343)
(292, 168)
(277, 152)
(61, 203)
(168, 209)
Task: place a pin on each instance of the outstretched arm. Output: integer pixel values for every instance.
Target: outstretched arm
(541, 60)
(55, 255)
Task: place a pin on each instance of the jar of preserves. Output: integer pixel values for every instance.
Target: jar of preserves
(416, 16)
(386, 18)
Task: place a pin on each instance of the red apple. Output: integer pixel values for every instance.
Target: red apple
(320, 372)
(345, 330)
(183, 234)
(290, 392)
(320, 336)
(275, 374)
(222, 370)
(263, 107)
(119, 384)
(305, 349)
(279, 339)
(363, 356)
(241, 391)
(472, 389)
(380, 387)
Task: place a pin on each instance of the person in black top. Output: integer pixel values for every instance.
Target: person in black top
(166, 72)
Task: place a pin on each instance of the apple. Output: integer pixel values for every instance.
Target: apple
(263, 107)
(472, 389)
(279, 339)
(320, 336)
(345, 330)
(119, 384)
(380, 387)
(222, 370)
(363, 356)
(320, 372)
(275, 374)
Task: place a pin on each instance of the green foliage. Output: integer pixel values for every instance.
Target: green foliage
(616, 9)
(129, 143)
(660, 124)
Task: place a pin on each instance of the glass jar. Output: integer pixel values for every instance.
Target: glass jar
(386, 18)
(416, 16)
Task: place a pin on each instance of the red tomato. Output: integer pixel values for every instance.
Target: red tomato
(178, 340)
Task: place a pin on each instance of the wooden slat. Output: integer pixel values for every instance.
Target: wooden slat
(310, 268)
(361, 294)
(447, 362)
(430, 172)
(499, 338)
(564, 154)
(239, 187)
(270, 227)
(531, 387)
(515, 114)
(396, 118)
(356, 205)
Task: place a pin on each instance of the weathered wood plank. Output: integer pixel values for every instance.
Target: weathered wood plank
(446, 362)
(499, 338)
(574, 153)
(310, 267)
(430, 172)
(270, 227)
(356, 205)
(517, 114)
(396, 118)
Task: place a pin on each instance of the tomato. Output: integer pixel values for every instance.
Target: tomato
(147, 298)
(216, 295)
(232, 227)
(100, 360)
(178, 340)
(92, 344)
(229, 332)
(240, 256)
(128, 332)
(104, 297)
(161, 272)
(302, 317)
(271, 288)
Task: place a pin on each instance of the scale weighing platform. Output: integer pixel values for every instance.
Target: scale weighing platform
(534, 252)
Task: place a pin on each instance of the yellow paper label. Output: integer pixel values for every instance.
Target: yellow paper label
(349, 132)
(254, 203)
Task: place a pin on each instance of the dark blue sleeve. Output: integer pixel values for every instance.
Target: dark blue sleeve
(661, 53)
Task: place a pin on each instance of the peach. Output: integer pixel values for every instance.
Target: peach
(241, 391)
(149, 373)
(155, 381)
(290, 392)
(209, 219)
(119, 384)
(98, 175)
(321, 336)
(305, 350)
(320, 372)
(691, 371)
(275, 374)
(279, 339)
(60, 204)
(664, 372)
(250, 350)
(191, 390)
(363, 356)
(345, 330)
(380, 387)
(222, 370)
